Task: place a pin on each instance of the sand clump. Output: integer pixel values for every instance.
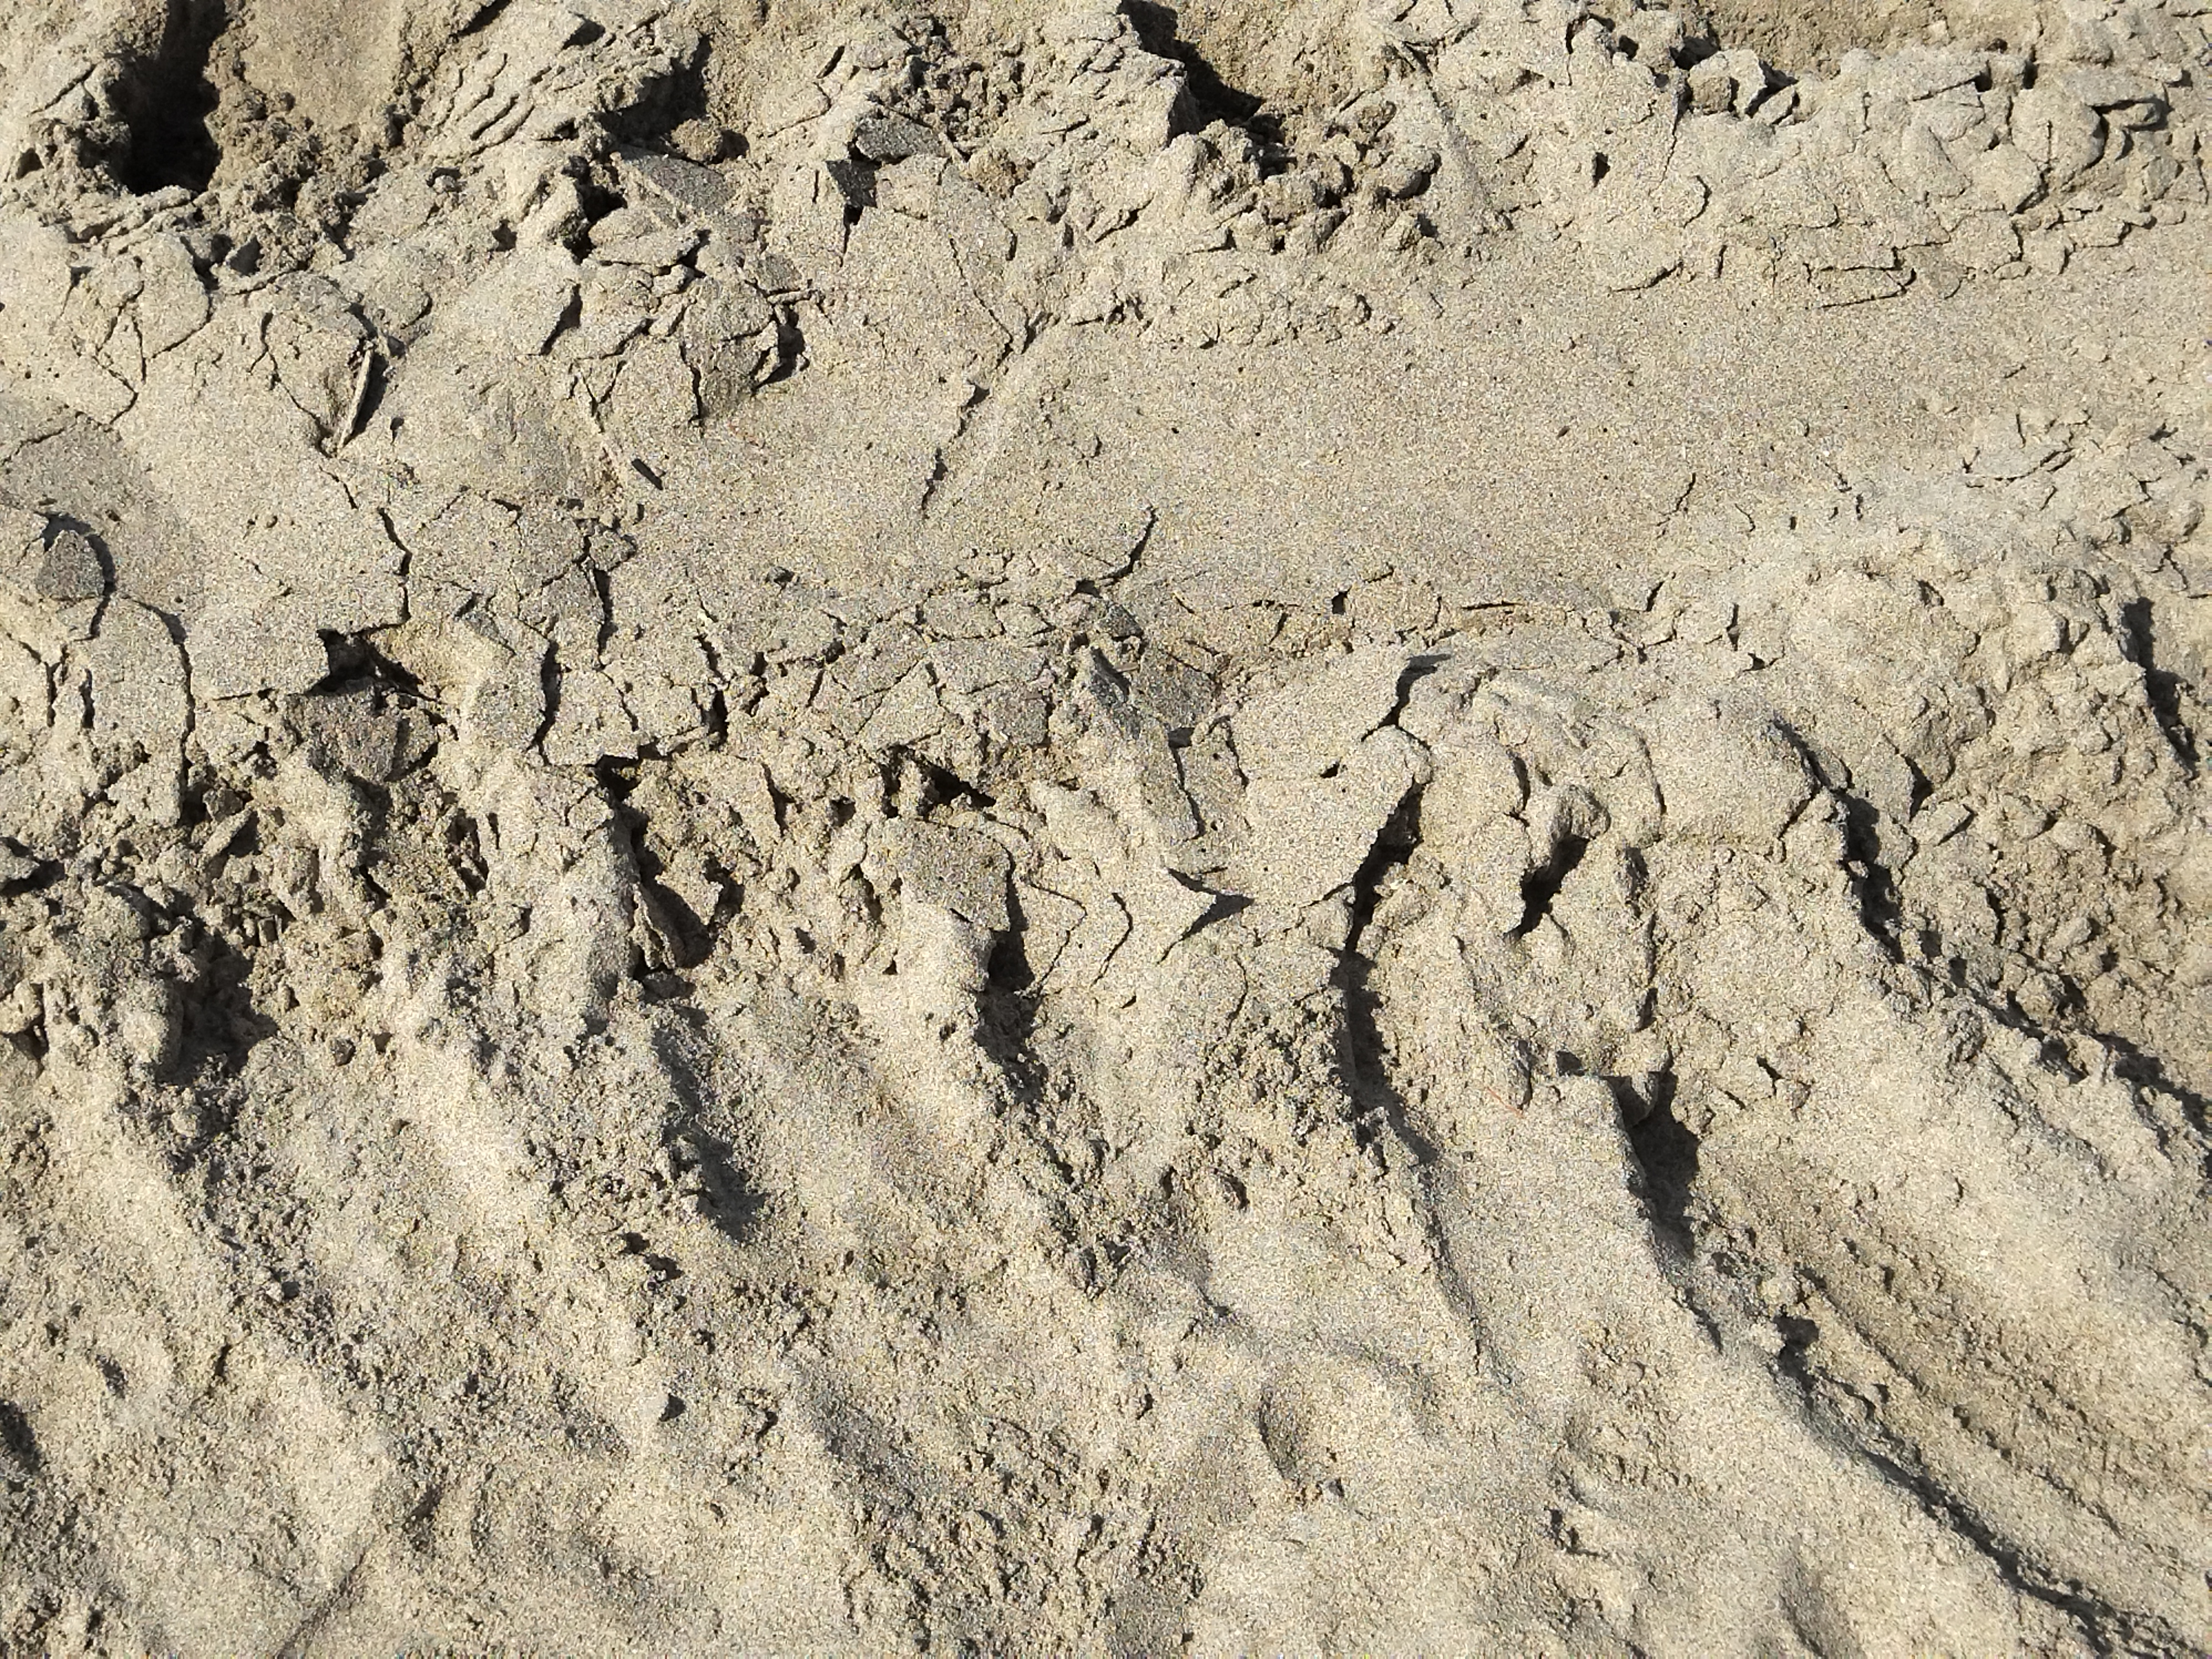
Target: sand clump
(1026, 828)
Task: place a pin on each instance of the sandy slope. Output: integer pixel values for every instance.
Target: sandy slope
(1275, 829)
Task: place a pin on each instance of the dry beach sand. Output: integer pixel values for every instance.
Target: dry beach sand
(1335, 827)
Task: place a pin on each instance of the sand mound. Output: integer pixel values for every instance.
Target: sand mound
(1026, 829)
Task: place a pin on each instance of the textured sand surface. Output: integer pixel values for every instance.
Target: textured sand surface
(1249, 829)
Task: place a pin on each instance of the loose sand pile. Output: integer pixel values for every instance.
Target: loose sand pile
(1259, 829)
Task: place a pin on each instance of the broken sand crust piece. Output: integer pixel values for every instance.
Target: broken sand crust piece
(1347, 828)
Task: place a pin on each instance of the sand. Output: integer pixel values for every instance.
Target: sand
(1240, 829)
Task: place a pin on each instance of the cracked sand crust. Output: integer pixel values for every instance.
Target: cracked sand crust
(1349, 827)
